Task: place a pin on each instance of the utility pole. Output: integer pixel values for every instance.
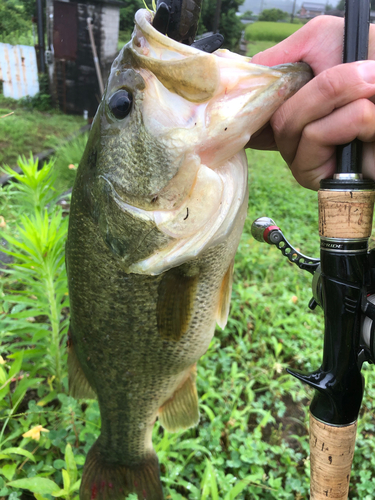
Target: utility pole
(217, 16)
(42, 66)
(293, 10)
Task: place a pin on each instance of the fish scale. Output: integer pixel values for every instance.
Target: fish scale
(157, 212)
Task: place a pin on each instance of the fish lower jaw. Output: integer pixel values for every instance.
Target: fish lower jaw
(212, 207)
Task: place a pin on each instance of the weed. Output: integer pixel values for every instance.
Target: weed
(39, 287)
(67, 158)
(28, 129)
(40, 102)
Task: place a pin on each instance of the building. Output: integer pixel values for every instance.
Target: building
(74, 76)
(311, 9)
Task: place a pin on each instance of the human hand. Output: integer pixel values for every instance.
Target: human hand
(333, 108)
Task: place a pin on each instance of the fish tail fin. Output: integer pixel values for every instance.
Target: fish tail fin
(102, 480)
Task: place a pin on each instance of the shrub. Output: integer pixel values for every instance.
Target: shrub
(41, 102)
(273, 15)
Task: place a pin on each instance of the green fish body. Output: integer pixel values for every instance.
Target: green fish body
(157, 212)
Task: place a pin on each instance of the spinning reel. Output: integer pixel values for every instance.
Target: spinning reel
(265, 230)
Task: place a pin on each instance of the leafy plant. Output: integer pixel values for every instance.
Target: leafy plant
(43, 486)
(38, 268)
(34, 187)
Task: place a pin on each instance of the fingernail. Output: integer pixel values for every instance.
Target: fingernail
(367, 71)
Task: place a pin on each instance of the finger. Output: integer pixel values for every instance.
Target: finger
(368, 161)
(263, 139)
(333, 88)
(318, 43)
(315, 158)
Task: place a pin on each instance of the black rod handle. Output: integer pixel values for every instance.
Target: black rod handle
(356, 37)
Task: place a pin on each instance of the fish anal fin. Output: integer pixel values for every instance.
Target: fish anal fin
(181, 411)
(176, 295)
(224, 297)
(79, 386)
(112, 481)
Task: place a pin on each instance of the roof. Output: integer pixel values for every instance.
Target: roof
(314, 6)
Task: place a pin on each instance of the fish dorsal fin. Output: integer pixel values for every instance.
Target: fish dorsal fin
(224, 297)
(176, 295)
(181, 410)
(79, 386)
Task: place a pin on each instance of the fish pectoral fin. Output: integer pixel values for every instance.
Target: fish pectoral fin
(106, 480)
(176, 295)
(79, 386)
(224, 297)
(181, 410)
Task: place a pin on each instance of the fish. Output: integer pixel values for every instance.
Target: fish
(157, 210)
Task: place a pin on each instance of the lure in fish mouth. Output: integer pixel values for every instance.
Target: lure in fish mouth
(157, 212)
(178, 19)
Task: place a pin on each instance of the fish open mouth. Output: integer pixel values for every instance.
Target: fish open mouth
(201, 109)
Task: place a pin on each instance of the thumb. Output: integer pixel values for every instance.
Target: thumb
(318, 43)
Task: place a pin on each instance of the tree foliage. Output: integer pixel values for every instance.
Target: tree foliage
(230, 25)
(127, 13)
(247, 14)
(12, 18)
(273, 15)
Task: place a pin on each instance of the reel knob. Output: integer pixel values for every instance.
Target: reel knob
(261, 229)
(264, 229)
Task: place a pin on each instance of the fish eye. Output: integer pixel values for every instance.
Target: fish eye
(120, 103)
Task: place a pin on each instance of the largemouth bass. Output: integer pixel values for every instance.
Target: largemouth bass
(157, 211)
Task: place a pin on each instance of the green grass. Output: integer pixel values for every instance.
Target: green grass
(254, 47)
(270, 31)
(67, 158)
(27, 130)
(252, 439)
(123, 38)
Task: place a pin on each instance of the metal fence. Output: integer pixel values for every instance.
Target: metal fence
(18, 70)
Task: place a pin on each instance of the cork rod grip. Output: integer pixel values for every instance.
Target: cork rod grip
(345, 214)
(331, 455)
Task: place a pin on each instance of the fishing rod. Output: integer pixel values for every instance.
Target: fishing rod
(343, 285)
